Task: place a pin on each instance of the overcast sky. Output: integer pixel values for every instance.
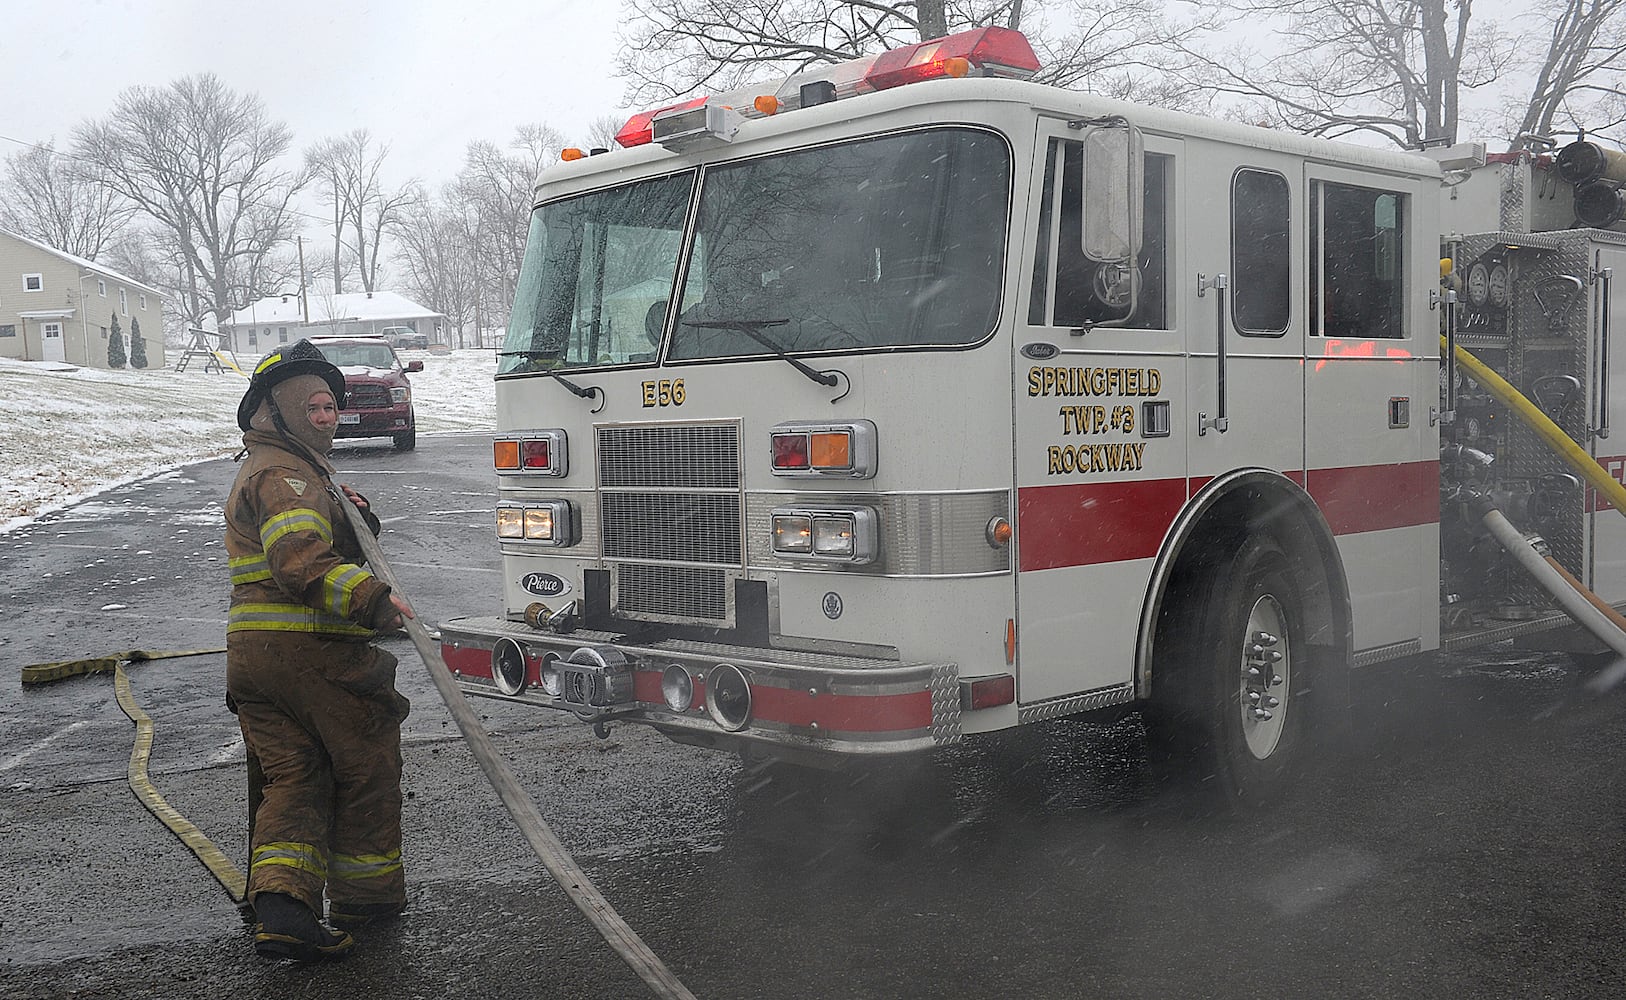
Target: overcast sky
(425, 76)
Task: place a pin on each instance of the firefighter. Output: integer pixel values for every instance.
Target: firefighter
(316, 701)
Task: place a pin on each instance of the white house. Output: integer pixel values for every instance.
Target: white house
(282, 319)
(55, 306)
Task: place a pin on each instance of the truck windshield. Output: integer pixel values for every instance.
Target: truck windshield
(879, 243)
(596, 277)
(887, 242)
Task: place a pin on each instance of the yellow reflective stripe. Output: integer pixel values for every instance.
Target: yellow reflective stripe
(289, 521)
(289, 618)
(249, 569)
(340, 585)
(304, 857)
(357, 866)
(267, 362)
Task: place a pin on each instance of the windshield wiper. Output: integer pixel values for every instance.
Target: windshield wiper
(585, 393)
(753, 328)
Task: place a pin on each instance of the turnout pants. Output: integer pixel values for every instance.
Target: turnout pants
(323, 719)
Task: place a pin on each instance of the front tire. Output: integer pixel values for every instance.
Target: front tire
(1234, 700)
(407, 441)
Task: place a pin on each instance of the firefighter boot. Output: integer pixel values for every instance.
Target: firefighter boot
(289, 929)
(354, 916)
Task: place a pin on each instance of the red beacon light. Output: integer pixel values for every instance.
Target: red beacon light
(984, 52)
(998, 52)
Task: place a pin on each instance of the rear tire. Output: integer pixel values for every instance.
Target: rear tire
(407, 441)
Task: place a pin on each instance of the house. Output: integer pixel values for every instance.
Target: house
(58, 307)
(282, 319)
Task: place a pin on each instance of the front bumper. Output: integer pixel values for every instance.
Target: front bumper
(376, 423)
(799, 702)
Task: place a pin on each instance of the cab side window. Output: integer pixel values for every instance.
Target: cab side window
(1065, 291)
(1259, 253)
(1358, 235)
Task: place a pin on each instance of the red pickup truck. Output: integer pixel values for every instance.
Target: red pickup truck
(378, 397)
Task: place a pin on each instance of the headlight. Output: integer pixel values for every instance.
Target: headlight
(548, 522)
(840, 535)
(400, 394)
(510, 522)
(792, 533)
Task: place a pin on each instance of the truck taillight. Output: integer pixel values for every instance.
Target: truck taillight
(845, 449)
(536, 452)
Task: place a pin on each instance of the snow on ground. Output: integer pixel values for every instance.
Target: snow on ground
(67, 433)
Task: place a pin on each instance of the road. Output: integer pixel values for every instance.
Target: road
(1470, 845)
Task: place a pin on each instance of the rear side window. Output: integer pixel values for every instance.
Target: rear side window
(1259, 253)
(1357, 286)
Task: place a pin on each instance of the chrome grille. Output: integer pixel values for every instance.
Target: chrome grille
(366, 396)
(690, 456)
(670, 494)
(672, 527)
(682, 592)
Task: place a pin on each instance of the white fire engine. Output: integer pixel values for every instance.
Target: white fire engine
(907, 400)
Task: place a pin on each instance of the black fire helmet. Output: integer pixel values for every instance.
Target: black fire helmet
(299, 358)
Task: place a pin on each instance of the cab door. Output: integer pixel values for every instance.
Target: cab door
(1243, 285)
(1100, 457)
(1371, 381)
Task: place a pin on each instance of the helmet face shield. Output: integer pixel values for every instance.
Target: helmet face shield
(299, 358)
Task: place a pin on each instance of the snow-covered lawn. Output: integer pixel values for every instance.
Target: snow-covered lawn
(67, 433)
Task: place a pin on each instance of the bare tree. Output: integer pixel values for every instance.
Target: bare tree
(61, 202)
(496, 185)
(433, 241)
(348, 169)
(201, 160)
(1577, 82)
(1400, 69)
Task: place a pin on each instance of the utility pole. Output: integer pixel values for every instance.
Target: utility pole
(304, 300)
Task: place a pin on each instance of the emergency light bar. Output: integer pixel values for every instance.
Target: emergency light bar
(986, 52)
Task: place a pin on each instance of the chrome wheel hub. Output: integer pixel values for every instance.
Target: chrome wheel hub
(1267, 664)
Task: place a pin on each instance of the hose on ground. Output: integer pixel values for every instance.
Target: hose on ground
(536, 831)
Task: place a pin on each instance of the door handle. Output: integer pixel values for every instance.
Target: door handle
(1220, 282)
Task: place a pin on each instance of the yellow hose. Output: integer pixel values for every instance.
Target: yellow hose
(1550, 432)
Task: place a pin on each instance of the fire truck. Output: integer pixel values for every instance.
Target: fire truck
(904, 400)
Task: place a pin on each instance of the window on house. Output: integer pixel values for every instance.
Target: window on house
(101, 288)
(104, 333)
(33, 282)
(143, 301)
(124, 303)
(8, 330)
(1356, 277)
(253, 338)
(1259, 253)
(282, 335)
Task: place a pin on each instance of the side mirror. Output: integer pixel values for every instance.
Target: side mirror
(414, 366)
(1113, 178)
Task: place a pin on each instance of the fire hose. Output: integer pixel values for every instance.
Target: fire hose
(226, 873)
(1578, 602)
(536, 831)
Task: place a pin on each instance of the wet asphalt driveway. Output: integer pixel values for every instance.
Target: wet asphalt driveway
(1472, 845)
